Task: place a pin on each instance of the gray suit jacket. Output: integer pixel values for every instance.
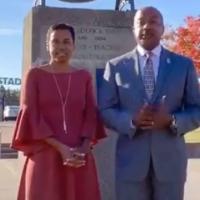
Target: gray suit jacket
(122, 94)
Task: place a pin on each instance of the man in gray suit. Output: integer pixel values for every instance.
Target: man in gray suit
(150, 97)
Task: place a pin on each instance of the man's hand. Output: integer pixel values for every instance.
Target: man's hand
(145, 118)
(152, 117)
(162, 119)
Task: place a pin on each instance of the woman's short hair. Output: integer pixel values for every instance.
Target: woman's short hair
(61, 26)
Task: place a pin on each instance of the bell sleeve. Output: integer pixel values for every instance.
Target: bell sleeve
(30, 129)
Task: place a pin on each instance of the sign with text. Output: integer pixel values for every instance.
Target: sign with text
(10, 81)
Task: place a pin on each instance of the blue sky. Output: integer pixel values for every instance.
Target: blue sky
(13, 12)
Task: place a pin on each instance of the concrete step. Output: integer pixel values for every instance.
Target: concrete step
(9, 156)
(7, 153)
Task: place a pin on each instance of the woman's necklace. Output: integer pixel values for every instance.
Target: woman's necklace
(62, 100)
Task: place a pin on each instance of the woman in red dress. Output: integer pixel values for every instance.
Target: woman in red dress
(57, 121)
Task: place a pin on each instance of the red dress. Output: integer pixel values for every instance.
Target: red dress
(44, 176)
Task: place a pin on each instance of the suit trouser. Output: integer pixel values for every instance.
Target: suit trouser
(149, 189)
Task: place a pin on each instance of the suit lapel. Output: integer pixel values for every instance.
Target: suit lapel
(163, 72)
(139, 74)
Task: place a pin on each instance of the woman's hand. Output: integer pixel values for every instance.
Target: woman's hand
(66, 153)
(81, 151)
(69, 158)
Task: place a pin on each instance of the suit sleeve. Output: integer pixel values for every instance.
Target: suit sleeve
(113, 115)
(189, 117)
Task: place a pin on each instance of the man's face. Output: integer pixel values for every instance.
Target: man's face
(148, 28)
(60, 46)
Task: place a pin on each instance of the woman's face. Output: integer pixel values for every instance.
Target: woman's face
(60, 46)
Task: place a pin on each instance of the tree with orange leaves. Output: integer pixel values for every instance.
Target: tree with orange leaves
(186, 40)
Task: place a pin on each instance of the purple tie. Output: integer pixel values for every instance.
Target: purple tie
(148, 76)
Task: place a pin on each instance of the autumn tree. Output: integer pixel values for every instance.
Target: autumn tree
(185, 40)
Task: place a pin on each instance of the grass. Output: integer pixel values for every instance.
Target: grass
(193, 136)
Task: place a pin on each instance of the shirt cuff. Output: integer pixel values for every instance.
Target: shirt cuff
(133, 129)
(173, 125)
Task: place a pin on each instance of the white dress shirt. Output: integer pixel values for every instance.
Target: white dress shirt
(155, 58)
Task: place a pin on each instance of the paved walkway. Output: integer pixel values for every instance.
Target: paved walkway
(10, 171)
(192, 187)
